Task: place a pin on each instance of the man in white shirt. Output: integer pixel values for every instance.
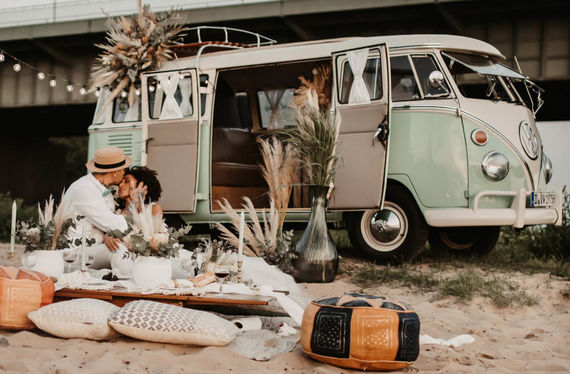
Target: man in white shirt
(90, 196)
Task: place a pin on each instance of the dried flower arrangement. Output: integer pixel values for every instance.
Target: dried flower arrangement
(136, 44)
(216, 252)
(49, 232)
(148, 234)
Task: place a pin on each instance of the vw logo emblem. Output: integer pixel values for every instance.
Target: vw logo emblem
(529, 140)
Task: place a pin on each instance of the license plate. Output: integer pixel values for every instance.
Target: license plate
(542, 199)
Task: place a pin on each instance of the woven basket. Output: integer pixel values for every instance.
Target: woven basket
(361, 332)
(22, 291)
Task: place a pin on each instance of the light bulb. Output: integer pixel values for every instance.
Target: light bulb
(17, 67)
(69, 87)
(138, 92)
(52, 83)
(82, 91)
(2, 57)
(124, 94)
(151, 88)
(97, 92)
(41, 76)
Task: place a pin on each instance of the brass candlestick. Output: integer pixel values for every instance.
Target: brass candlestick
(11, 257)
(240, 272)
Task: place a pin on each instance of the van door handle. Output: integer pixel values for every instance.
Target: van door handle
(148, 141)
(382, 131)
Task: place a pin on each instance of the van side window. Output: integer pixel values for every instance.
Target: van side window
(424, 66)
(372, 76)
(404, 86)
(159, 91)
(123, 112)
(275, 108)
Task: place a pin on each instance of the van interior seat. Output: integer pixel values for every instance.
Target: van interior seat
(235, 158)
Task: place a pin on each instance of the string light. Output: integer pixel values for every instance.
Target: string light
(19, 64)
(97, 92)
(124, 94)
(138, 92)
(151, 88)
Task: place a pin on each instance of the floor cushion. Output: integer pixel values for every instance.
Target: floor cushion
(22, 291)
(361, 332)
(165, 323)
(77, 318)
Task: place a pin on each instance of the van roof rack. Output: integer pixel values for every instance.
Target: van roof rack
(214, 44)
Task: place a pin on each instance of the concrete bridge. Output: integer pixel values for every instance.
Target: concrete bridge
(57, 37)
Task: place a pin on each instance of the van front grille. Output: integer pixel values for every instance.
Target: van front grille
(123, 141)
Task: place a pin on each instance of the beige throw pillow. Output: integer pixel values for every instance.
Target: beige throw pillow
(165, 323)
(78, 318)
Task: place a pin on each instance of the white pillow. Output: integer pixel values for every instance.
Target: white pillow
(77, 318)
(165, 323)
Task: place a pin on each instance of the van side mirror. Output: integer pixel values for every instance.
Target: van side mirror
(436, 81)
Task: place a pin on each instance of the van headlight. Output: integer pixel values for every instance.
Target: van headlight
(547, 170)
(495, 166)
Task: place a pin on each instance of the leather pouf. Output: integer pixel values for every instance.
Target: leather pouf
(361, 332)
(22, 291)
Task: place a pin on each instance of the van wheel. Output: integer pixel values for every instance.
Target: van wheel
(467, 241)
(396, 233)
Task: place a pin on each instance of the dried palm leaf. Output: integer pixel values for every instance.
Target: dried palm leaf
(321, 86)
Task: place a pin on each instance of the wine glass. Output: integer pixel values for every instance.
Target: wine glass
(221, 272)
(89, 258)
(189, 266)
(29, 260)
(69, 256)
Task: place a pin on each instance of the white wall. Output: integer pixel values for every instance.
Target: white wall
(556, 140)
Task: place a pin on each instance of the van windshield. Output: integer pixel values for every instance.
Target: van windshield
(479, 77)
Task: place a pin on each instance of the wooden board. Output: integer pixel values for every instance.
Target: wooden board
(120, 298)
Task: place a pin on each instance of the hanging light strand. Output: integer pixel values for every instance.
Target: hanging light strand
(41, 75)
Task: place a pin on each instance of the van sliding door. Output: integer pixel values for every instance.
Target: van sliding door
(362, 101)
(170, 134)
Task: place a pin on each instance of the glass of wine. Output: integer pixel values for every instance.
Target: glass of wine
(69, 256)
(89, 258)
(221, 272)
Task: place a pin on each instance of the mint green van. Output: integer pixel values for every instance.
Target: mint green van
(437, 136)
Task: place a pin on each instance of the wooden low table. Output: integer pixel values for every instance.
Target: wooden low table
(120, 298)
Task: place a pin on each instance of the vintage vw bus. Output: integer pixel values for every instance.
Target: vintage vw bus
(437, 136)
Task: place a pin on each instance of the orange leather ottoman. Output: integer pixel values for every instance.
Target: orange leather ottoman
(22, 291)
(361, 332)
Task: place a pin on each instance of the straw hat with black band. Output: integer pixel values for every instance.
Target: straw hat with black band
(108, 159)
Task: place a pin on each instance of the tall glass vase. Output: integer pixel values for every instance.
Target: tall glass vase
(317, 259)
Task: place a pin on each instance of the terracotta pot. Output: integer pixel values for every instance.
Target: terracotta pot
(49, 263)
(150, 272)
(317, 259)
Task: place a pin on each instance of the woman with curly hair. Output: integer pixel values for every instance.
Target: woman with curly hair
(145, 179)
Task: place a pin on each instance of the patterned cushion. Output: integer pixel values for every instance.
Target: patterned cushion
(165, 323)
(78, 318)
(361, 332)
(22, 291)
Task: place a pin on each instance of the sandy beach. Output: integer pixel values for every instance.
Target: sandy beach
(508, 340)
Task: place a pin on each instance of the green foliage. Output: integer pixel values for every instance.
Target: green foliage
(24, 213)
(282, 255)
(463, 285)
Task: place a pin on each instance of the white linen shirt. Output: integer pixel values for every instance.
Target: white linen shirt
(85, 197)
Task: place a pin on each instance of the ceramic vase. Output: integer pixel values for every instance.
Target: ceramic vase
(149, 272)
(48, 262)
(317, 260)
(122, 262)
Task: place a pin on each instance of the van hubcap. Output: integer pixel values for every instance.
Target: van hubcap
(386, 229)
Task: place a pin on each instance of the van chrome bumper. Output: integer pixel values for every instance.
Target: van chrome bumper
(518, 215)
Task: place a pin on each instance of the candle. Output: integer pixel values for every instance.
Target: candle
(83, 248)
(13, 228)
(240, 242)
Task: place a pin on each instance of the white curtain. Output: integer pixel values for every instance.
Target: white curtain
(170, 108)
(274, 98)
(185, 85)
(358, 91)
(134, 112)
